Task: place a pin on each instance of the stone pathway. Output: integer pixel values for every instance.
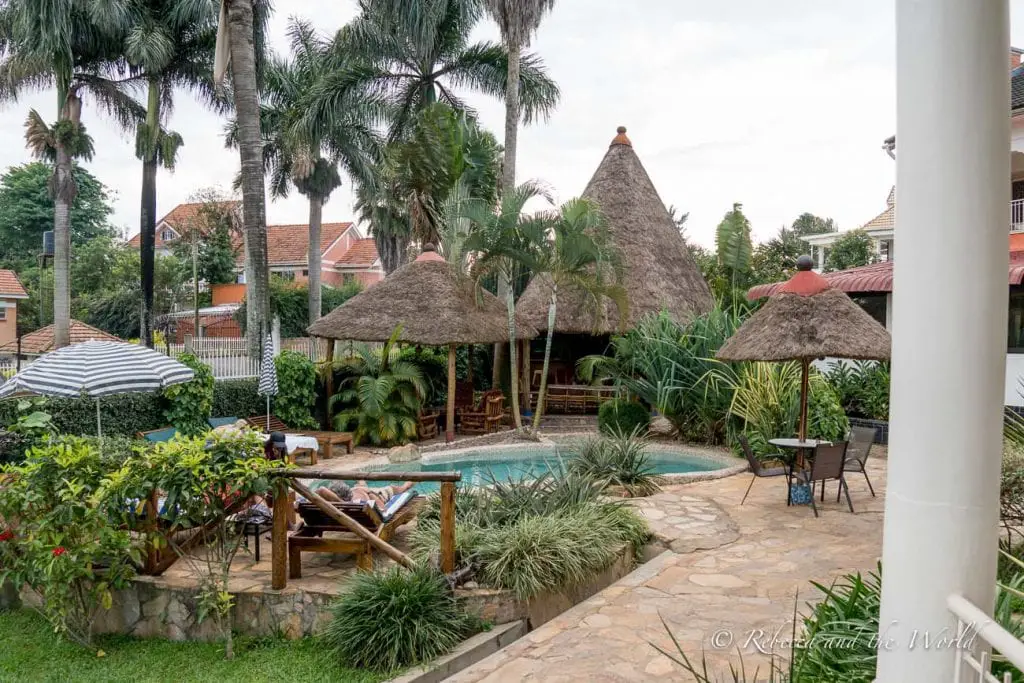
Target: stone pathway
(729, 581)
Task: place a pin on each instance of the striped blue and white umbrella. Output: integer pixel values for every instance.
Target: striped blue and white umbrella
(97, 369)
(268, 375)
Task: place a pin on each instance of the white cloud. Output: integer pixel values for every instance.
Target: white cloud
(782, 106)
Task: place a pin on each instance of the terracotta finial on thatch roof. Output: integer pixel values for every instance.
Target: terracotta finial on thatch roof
(804, 319)
(429, 253)
(621, 138)
(659, 272)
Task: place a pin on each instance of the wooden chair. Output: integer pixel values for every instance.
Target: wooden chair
(426, 426)
(309, 537)
(555, 400)
(463, 396)
(487, 417)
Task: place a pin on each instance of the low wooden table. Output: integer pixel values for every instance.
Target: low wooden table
(328, 440)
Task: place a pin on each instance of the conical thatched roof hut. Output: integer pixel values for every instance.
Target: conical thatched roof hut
(433, 306)
(659, 271)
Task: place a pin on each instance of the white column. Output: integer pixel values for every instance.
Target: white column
(949, 326)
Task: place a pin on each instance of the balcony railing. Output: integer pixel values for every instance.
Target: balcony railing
(977, 634)
(1017, 215)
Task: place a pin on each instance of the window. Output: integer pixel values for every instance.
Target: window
(305, 273)
(884, 250)
(287, 275)
(874, 304)
(347, 278)
(3, 313)
(166, 235)
(1015, 328)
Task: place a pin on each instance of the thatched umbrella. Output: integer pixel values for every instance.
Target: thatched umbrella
(433, 306)
(804, 319)
(659, 272)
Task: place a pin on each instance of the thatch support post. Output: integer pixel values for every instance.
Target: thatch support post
(330, 382)
(279, 537)
(448, 527)
(449, 431)
(805, 370)
(525, 383)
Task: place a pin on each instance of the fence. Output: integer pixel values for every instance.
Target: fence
(228, 357)
(8, 367)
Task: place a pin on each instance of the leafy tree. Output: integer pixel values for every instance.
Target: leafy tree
(775, 260)
(498, 239)
(26, 211)
(169, 44)
(288, 303)
(679, 218)
(75, 47)
(445, 154)
(303, 151)
(852, 249)
(578, 256)
(734, 250)
(809, 224)
(409, 55)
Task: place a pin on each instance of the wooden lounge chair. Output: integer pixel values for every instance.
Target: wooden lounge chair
(158, 435)
(828, 463)
(759, 470)
(426, 426)
(861, 441)
(487, 417)
(309, 537)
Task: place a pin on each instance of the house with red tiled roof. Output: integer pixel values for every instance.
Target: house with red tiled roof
(41, 341)
(11, 292)
(178, 221)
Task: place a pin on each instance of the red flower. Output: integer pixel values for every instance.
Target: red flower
(6, 535)
(59, 550)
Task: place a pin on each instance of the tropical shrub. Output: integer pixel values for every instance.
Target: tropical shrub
(56, 536)
(289, 301)
(862, 387)
(32, 425)
(296, 390)
(669, 366)
(381, 395)
(204, 481)
(838, 644)
(1011, 488)
(393, 619)
(620, 416)
(530, 535)
(617, 460)
(188, 406)
(766, 404)
(237, 398)
(122, 414)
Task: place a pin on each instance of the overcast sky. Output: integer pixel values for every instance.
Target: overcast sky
(781, 105)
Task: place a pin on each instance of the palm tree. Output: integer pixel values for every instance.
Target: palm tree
(294, 145)
(578, 257)
(418, 173)
(240, 34)
(501, 240)
(517, 20)
(76, 48)
(169, 43)
(409, 55)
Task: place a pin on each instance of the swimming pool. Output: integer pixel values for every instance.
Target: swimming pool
(481, 466)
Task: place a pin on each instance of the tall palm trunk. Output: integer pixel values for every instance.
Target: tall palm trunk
(542, 392)
(147, 218)
(62, 249)
(250, 144)
(508, 172)
(510, 303)
(63, 190)
(316, 210)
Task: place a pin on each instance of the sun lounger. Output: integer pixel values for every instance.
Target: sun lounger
(309, 537)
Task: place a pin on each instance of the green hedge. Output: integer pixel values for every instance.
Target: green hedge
(128, 414)
(623, 417)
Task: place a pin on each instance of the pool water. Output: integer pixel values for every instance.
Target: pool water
(482, 467)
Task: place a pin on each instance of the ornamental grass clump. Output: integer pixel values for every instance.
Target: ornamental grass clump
(393, 619)
(534, 535)
(618, 460)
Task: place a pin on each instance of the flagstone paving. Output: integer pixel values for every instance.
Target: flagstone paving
(728, 582)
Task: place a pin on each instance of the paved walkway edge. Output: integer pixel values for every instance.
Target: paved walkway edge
(471, 651)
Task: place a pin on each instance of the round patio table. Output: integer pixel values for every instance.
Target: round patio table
(797, 445)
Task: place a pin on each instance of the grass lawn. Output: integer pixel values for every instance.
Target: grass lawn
(30, 652)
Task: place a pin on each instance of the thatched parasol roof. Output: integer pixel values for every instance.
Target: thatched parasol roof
(808, 318)
(659, 271)
(432, 304)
